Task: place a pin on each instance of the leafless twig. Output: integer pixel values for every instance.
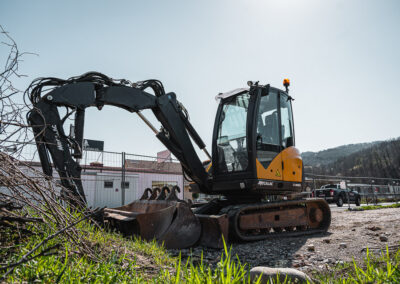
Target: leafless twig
(12, 113)
(28, 198)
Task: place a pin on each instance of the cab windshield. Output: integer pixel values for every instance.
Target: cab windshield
(231, 141)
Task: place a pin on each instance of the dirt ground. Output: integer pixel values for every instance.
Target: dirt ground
(350, 233)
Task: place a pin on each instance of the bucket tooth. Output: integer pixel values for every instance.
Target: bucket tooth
(163, 193)
(155, 193)
(172, 195)
(146, 195)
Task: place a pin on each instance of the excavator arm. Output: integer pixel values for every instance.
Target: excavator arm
(96, 90)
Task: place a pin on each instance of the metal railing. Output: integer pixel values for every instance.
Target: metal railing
(371, 189)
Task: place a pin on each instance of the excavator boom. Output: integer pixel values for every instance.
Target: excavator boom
(97, 90)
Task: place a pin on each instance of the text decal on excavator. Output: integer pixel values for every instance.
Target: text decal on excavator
(269, 183)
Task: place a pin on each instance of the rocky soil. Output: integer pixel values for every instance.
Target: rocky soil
(350, 233)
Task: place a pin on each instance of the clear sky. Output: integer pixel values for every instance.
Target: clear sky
(343, 59)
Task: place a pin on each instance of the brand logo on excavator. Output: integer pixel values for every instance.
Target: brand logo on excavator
(269, 183)
(59, 144)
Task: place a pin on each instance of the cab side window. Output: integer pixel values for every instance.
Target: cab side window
(287, 121)
(268, 128)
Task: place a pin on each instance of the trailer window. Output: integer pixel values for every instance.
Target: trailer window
(108, 184)
(161, 184)
(126, 184)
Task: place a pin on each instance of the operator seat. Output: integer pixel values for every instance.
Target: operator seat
(269, 132)
(225, 151)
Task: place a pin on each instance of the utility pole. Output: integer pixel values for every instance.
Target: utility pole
(312, 172)
(373, 192)
(123, 180)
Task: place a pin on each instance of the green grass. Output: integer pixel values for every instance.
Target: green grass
(373, 207)
(375, 269)
(119, 259)
(122, 260)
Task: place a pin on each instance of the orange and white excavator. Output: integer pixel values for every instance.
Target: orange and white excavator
(255, 169)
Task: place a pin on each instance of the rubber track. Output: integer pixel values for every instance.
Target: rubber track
(234, 213)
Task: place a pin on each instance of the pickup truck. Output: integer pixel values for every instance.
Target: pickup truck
(332, 193)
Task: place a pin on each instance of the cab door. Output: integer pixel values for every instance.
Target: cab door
(292, 163)
(268, 142)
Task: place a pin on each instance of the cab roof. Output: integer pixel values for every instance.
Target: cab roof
(238, 91)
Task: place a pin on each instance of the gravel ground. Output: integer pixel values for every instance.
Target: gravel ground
(348, 236)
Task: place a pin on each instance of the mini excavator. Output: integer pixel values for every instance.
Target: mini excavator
(255, 169)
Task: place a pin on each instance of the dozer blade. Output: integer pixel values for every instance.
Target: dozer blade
(214, 230)
(169, 222)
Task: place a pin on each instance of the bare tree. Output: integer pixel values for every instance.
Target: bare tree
(26, 194)
(14, 132)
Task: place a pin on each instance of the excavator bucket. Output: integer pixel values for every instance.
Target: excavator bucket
(164, 218)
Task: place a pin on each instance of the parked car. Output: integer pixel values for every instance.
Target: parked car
(332, 193)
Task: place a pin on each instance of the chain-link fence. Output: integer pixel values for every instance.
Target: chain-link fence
(113, 179)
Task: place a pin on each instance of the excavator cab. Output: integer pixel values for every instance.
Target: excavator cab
(253, 145)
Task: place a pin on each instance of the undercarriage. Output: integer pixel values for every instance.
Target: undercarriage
(177, 224)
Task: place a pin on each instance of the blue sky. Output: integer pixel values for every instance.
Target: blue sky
(342, 58)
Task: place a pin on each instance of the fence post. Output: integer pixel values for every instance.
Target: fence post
(85, 163)
(183, 186)
(314, 193)
(123, 179)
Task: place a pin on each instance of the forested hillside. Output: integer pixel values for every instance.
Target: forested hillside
(329, 156)
(380, 159)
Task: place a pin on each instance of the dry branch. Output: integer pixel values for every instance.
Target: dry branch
(29, 200)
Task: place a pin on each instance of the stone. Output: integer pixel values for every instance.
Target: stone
(340, 262)
(342, 245)
(374, 228)
(328, 261)
(296, 265)
(327, 241)
(196, 260)
(383, 238)
(311, 248)
(269, 275)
